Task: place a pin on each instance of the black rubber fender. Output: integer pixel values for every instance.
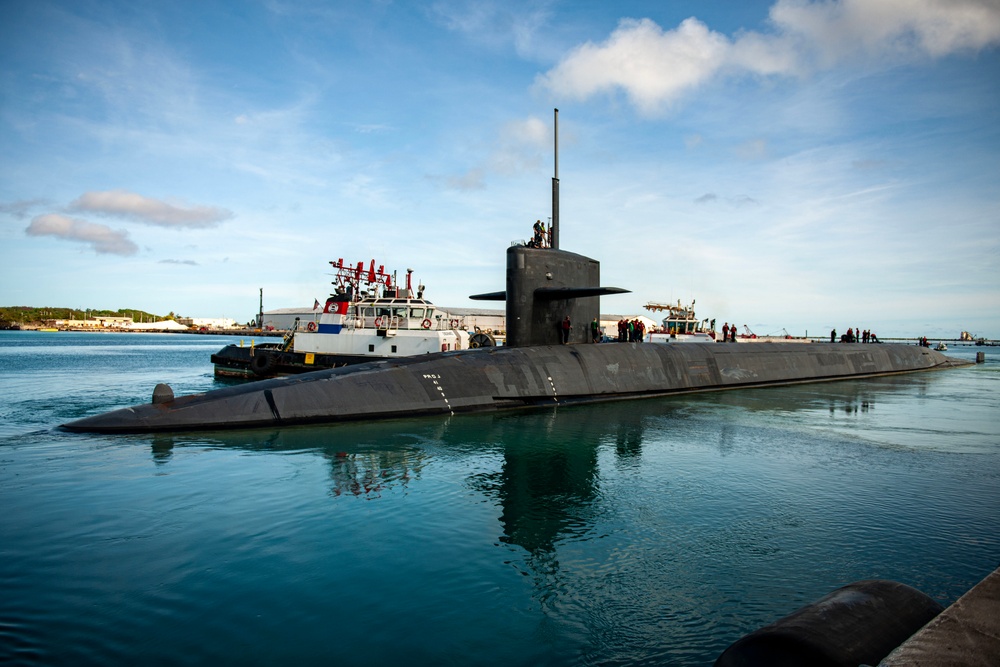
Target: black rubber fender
(262, 363)
(858, 624)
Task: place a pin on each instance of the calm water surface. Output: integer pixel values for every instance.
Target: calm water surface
(644, 532)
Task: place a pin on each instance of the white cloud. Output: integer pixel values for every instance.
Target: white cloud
(693, 141)
(131, 206)
(651, 66)
(103, 239)
(520, 145)
(496, 24)
(22, 209)
(755, 149)
(654, 67)
(470, 180)
(876, 28)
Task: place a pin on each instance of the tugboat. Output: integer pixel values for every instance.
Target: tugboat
(368, 317)
(680, 325)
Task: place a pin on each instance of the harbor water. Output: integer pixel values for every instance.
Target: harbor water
(649, 532)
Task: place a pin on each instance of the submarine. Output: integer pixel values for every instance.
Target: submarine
(535, 369)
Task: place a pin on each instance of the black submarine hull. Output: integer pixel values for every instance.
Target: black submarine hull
(506, 378)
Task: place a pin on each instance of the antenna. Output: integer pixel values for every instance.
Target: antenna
(554, 228)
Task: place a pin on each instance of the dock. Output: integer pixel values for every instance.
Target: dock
(967, 633)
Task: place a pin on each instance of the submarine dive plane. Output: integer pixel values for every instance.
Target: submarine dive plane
(534, 368)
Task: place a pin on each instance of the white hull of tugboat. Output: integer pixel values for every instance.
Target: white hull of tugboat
(376, 343)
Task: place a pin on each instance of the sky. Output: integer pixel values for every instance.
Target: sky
(790, 165)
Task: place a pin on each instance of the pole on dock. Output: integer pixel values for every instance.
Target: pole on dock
(260, 312)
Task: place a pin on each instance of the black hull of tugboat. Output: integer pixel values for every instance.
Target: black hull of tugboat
(269, 361)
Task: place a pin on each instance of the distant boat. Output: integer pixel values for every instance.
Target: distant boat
(369, 317)
(941, 347)
(680, 325)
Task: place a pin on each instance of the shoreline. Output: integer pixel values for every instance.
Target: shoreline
(207, 332)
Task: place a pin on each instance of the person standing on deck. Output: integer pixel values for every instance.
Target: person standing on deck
(539, 230)
(595, 331)
(566, 326)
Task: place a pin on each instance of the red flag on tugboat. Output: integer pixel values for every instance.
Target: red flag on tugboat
(371, 273)
(315, 304)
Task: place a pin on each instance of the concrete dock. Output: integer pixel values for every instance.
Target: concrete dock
(966, 634)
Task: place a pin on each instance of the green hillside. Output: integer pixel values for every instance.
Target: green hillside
(23, 315)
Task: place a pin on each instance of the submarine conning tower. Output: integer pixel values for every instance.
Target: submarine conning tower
(544, 286)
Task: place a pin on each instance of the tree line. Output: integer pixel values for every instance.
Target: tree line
(11, 316)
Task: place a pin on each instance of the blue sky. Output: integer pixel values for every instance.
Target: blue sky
(788, 164)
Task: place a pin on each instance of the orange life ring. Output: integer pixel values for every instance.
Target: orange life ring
(454, 324)
(378, 322)
(311, 326)
(426, 324)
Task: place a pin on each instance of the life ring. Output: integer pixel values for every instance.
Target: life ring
(454, 324)
(311, 326)
(378, 322)
(426, 324)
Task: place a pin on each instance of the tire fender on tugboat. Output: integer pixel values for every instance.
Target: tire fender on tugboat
(262, 363)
